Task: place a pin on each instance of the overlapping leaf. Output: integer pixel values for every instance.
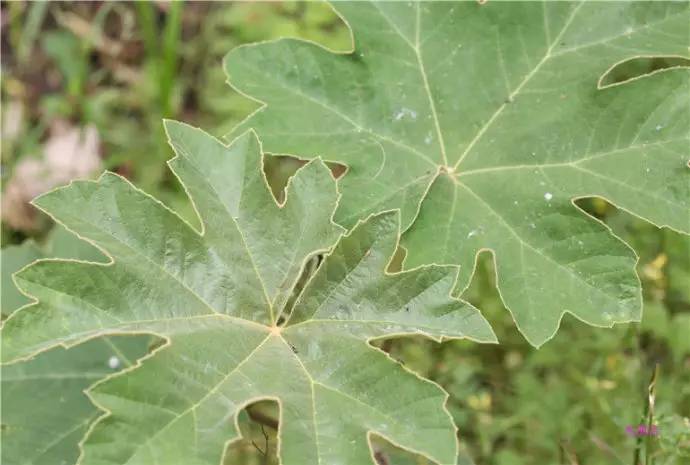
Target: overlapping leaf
(221, 298)
(13, 259)
(45, 413)
(483, 123)
(45, 410)
(60, 244)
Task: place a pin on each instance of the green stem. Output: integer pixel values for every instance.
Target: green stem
(171, 42)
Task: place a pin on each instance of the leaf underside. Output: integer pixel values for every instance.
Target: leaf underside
(45, 412)
(483, 123)
(216, 296)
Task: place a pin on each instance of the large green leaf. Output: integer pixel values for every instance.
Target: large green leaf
(483, 123)
(45, 412)
(59, 244)
(222, 299)
(14, 258)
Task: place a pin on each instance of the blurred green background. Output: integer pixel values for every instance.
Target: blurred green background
(84, 88)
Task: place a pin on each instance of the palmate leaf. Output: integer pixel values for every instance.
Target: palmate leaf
(14, 258)
(220, 298)
(45, 412)
(59, 244)
(483, 123)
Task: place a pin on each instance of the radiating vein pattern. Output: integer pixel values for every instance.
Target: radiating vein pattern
(482, 123)
(218, 299)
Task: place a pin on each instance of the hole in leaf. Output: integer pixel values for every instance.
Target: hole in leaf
(596, 207)
(258, 424)
(396, 263)
(155, 343)
(279, 169)
(483, 294)
(385, 453)
(309, 269)
(640, 66)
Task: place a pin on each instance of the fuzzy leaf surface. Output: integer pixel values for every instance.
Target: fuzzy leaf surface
(45, 410)
(59, 244)
(219, 298)
(482, 123)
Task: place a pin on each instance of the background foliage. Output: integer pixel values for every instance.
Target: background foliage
(85, 86)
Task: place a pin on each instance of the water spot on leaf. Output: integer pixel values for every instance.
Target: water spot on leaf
(113, 362)
(405, 113)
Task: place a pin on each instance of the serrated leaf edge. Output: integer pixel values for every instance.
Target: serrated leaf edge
(167, 341)
(439, 171)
